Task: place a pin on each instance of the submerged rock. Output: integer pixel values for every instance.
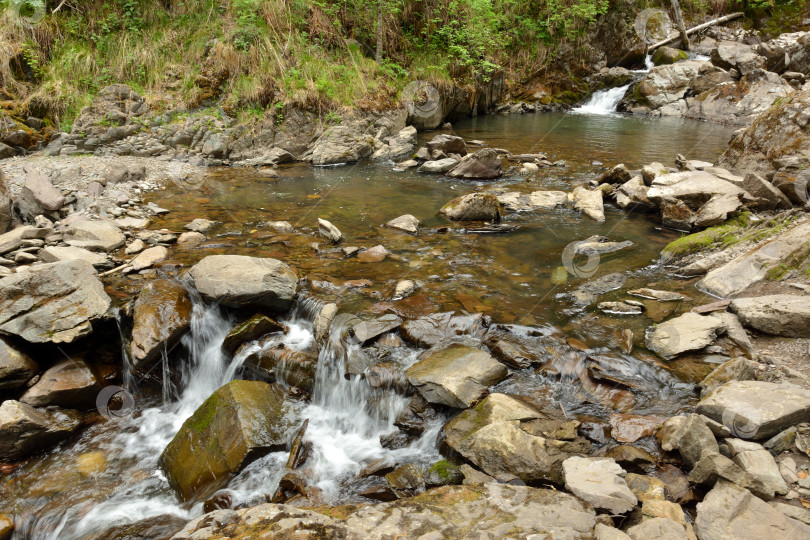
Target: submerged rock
(70, 383)
(239, 422)
(238, 280)
(16, 367)
(54, 303)
(161, 315)
(455, 376)
(25, 430)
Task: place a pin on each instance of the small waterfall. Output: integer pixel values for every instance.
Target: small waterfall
(603, 102)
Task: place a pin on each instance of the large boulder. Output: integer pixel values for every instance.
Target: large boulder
(38, 196)
(16, 367)
(340, 144)
(236, 424)
(238, 280)
(52, 303)
(25, 430)
(456, 375)
(482, 165)
(473, 207)
(773, 138)
(667, 84)
(776, 314)
(471, 511)
(729, 512)
(694, 188)
(756, 409)
(758, 264)
(511, 437)
(398, 147)
(739, 56)
(160, 317)
(94, 235)
(600, 482)
(70, 383)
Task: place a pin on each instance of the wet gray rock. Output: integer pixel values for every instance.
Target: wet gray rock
(160, 317)
(237, 280)
(406, 223)
(729, 512)
(25, 430)
(70, 383)
(756, 410)
(16, 367)
(473, 207)
(589, 202)
(511, 437)
(485, 164)
(94, 235)
(600, 482)
(778, 314)
(456, 375)
(329, 231)
(367, 331)
(430, 330)
(689, 332)
(54, 302)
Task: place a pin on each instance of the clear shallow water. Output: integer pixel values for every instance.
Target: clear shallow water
(506, 276)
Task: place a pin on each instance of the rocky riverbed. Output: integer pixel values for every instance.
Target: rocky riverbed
(180, 360)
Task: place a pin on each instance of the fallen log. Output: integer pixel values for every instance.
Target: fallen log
(698, 28)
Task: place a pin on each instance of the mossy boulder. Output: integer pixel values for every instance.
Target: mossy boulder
(238, 423)
(668, 55)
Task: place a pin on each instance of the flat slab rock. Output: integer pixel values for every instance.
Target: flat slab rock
(689, 332)
(456, 375)
(238, 280)
(474, 511)
(52, 303)
(756, 409)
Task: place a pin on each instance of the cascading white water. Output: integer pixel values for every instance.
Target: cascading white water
(603, 102)
(346, 420)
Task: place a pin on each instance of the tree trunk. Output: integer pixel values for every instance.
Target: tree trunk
(676, 6)
(378, 54)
